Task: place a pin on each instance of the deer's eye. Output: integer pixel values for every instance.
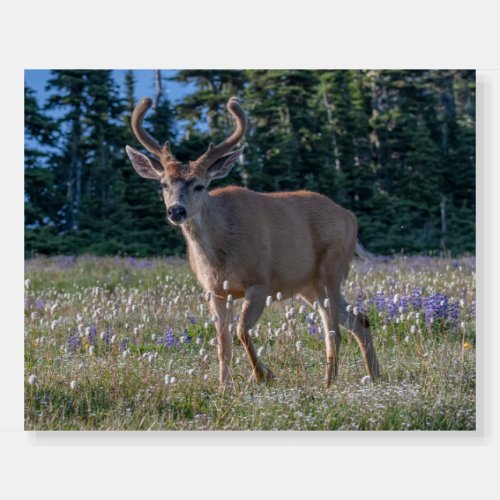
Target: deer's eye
(164, 185)
(199, 188)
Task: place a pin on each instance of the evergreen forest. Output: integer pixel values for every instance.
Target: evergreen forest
(396, 147)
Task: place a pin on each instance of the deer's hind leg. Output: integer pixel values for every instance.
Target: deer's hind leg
(330, 319)
(359, 326)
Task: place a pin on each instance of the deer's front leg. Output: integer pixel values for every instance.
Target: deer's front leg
(255, 301)
(224, 337)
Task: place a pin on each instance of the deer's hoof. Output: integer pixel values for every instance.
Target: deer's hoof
(263, 375)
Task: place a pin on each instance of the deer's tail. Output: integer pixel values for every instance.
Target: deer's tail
(362, 252)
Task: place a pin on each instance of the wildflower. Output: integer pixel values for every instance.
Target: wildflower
(413, 329)
(366, 379)
(173, 380)
(260, 351)
(213, 342)
(202, 352)
(151, 358)
(462, 325)
(91, 350)
(206, 377)
(73, 342)
(113, 339)
(169, 339)
(167, 379)
(32, 380)
(191, 371)
(229, 298)
(27, 284)
(298, 345)
(125, 353)
(302, 309)
(355, 311)
(467, 345)
(348, 308)
(73, 384)
(225, 285)
(279, 296)
(269, 300)
(326, 303)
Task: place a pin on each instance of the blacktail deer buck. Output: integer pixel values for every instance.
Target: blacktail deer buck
(253, 245)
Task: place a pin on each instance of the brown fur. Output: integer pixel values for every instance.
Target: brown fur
(296, 243)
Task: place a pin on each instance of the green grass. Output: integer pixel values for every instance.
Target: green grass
(428, 372)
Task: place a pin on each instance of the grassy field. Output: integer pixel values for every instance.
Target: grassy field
(129, 344)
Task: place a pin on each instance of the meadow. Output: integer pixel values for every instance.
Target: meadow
(129, 344)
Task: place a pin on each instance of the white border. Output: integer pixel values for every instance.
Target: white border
(259, 34)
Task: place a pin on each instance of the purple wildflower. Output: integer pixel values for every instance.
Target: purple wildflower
(73, 342)
(169, 339)
(191, 318)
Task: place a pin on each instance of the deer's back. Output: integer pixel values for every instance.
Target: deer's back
(284, 235)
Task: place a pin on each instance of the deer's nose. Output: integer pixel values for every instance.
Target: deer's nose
(176, 213)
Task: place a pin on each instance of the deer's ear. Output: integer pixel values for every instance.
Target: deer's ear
(143, 165)
(224, 164)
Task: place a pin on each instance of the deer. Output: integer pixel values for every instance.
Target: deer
(243, 244)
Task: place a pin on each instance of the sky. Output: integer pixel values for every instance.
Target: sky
(145, 86)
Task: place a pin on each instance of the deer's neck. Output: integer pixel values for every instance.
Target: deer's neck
(206, 236)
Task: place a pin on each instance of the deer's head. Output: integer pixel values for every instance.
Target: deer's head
(184, 186)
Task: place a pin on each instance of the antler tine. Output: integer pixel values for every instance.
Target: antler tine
(214, 152)
(143, 137)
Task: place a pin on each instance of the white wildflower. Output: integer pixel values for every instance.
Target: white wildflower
(202, 352)
(326, 303)
(413, 329)
(298, 345)
(27, 283)
(348, 308)
(229, 298)
(269, 300)
(366, 379)
(279, 296)
(355, 310)
(73, 384)
(225, 285)
(173, 380)
(32, 380)
(91, 350)
(260, 351)
(191, 371)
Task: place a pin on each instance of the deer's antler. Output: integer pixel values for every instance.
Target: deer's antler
(214, 152)
(163, 152)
